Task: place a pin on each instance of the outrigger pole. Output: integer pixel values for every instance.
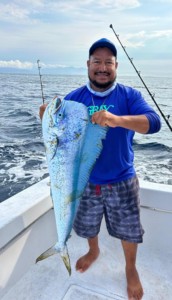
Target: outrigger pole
(39, 67)
(138, 73)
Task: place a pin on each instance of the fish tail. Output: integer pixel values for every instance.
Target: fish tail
(51, 251)
(66, 259)
(63, 253)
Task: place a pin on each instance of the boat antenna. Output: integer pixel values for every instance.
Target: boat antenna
(166, 118)
(40, 76)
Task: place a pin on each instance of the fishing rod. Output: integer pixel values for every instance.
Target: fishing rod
(40, 77)
(138, 73)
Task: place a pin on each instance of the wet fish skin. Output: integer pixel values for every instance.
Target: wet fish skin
(72, 145)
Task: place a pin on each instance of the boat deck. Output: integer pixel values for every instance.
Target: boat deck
(104, 280)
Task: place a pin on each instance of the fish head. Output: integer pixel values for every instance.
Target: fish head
(70, 118)
(50, 129)
(63, 121)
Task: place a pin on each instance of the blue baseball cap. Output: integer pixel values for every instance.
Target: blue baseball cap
(103, 43)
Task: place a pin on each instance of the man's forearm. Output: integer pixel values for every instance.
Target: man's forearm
(138, 123)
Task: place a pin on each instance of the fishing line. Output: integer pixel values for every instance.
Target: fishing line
(40, 77)
(138, 73)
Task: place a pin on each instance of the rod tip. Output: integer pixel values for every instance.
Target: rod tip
(110, 26)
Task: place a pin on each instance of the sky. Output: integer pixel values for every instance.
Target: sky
(60, 33)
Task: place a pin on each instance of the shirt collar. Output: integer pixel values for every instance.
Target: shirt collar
(101, 94)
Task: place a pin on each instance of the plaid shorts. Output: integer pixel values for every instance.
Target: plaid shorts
(119, 203)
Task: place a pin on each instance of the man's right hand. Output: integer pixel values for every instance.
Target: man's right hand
(42, 109)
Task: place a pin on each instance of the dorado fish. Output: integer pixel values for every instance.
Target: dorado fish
(72, 145)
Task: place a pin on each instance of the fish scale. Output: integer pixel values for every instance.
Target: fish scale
(72, 146)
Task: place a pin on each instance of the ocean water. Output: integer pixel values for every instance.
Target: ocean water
(22, 155)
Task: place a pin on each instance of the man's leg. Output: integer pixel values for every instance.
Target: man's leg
(84, 262)
(134, 286)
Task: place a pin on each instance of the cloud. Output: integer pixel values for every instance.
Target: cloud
(16, 64)
(119, 4)
(163, 1)
(161, 33)
(13, 11)
(137, 40)
(17, 11)
(151, 34)
(91, 4)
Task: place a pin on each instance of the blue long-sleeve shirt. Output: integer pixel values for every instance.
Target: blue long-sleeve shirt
(115, 162)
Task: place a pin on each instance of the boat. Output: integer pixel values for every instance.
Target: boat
(27, 228)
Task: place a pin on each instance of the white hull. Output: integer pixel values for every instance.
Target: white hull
(27, 228)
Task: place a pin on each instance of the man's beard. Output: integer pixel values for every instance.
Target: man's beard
(102, 85)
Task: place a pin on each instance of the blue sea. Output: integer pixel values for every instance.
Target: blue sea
(22, 154)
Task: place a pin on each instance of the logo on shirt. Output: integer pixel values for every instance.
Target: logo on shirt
(92, 109)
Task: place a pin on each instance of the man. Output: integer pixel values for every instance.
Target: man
(113, 189)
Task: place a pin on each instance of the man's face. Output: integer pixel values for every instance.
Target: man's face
(102, 67)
